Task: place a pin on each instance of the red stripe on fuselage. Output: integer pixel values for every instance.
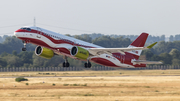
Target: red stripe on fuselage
(126, 59)
(41, 43)
(60, 41)
(132, 55)
(65, 51)
(103, 61)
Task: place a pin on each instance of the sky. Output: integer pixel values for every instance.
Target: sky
(121, 17)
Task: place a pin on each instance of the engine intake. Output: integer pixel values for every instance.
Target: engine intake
(80, 52)
(44, 52)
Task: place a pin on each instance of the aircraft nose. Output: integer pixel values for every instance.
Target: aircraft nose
(17, 33)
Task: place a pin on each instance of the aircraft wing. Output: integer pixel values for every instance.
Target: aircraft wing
(146, 62)
(98, 51)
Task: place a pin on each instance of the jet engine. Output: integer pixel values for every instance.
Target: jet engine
(80, 52)
(44, 52)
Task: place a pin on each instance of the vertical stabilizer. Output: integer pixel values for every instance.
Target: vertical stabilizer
(139, 42)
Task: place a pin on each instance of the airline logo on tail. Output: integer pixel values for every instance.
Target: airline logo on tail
(139, 42)
(135, 51)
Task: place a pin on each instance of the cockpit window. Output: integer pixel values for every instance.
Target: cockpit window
(28, 29)
(23, 28)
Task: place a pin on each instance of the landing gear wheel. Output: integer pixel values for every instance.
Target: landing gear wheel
(67, 64)
(64, 64)
(23, 49)
(87, 65)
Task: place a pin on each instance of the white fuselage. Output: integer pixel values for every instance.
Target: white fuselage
(58, 42)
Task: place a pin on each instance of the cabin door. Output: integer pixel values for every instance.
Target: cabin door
(39, 32)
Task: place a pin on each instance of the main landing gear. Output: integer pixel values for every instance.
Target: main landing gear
(87, 65)
(66, 63)
(24, 48)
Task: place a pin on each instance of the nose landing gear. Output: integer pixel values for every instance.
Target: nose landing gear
(24, 48)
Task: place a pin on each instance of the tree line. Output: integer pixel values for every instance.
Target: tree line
(150, 39)
(11, 55)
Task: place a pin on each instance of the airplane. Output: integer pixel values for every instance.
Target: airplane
(50, 43)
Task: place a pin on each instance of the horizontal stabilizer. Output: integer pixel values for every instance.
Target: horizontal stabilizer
(146, 62)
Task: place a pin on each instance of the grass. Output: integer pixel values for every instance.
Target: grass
(74, 84)
(88, 94)
(156, 91)
(147, 86)
(93, 73)
(65, 84)
(103, 88)
(19, 79)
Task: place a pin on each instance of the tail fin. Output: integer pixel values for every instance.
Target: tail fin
(139, 42)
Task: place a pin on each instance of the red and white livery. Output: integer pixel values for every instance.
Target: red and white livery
(50, 43)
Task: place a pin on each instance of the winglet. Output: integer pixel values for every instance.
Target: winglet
(150, 46)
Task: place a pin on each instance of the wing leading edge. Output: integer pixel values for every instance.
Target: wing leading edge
(98, 51)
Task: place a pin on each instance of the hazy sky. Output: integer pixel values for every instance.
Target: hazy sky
(123, 17)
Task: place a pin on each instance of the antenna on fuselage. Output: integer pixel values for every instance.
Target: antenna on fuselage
(34, 21)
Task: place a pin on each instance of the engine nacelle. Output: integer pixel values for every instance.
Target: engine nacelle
(80, 52)
(44, 52)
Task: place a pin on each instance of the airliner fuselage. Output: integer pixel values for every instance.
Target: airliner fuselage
(49, 42)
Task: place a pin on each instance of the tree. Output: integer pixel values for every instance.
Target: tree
(104, 41)
(84, 37)
(166, 58)
(14, 52)
(148, 54)
(38, 61)
(163, 47)
(175, 54)
(155, 58)
(4, 54)
(177, 37)
(26, 57)
(171, 38)
(162, 38)
(109, 42)
(3, 63)
(175, 62)
(13, 61)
